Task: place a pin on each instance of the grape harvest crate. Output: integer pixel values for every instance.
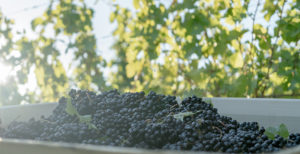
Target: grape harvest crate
(267, 112)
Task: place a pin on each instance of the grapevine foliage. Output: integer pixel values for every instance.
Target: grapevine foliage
(282, 131)
(71, 110)
(207, 48)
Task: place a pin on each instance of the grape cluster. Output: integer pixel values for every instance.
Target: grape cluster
(150, 121)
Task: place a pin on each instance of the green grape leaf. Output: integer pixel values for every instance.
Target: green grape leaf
(271, 132)
(70, 109)
(91, 126)
(178, 99)
(181, 115)
(283, 131)
(87, 119)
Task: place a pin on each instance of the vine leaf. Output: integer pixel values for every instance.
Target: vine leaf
(87, 119)
(282, 131)
(271, 132)
(70, 109)
(236, 60)
(178, 99)
(181, 115)
(136, 4)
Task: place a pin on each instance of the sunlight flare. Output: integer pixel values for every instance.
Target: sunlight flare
(5, 71)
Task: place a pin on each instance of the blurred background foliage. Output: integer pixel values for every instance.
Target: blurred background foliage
(211, 48)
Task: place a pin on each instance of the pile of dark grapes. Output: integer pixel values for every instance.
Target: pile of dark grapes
(153, 122)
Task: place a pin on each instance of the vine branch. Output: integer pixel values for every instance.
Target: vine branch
(252, 39)
(273, 48)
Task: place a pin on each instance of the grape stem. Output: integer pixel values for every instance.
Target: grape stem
(222, 123)
(217, 128)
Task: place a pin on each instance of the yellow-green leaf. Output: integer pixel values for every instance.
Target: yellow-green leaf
(131, 70)
(136, 4)
(236, 60)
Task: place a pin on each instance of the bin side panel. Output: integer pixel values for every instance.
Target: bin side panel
(25, 112)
